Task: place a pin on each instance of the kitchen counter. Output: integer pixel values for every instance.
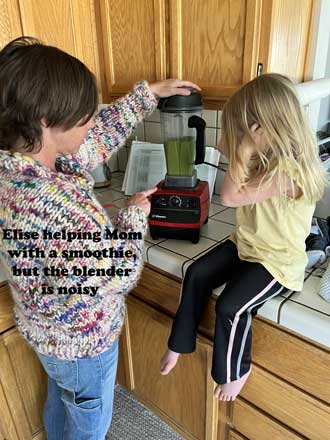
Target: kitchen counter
(304, 312)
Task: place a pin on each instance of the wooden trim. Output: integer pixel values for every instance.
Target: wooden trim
(27, 18)
(7, 425)
(160, 39)
(310, 40)
(211, 418)
(224, 419)
(40, 436)
(10, 387)
(6, 308)
(127, 353)
(108, 53)
(266, 32)
(100, 45)
(175, 39)
(252, 39)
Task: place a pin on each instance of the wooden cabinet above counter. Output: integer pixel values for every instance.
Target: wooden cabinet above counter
(218, 44)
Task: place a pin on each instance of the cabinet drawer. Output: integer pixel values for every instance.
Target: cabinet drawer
(6, 308)
(235, 436)
(256, 426)
(302, 363)
(291, 406)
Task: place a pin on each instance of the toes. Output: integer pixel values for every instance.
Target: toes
(217, 392)
(222, 396)
(164, 369)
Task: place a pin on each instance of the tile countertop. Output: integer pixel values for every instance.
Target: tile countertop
(304, 312)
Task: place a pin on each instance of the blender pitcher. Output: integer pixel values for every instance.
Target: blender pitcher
(183, 132)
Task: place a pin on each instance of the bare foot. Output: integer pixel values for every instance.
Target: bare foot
(168, 361)
(229, 391)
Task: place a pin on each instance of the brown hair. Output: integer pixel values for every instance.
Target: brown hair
(270, 101)
(39, 81)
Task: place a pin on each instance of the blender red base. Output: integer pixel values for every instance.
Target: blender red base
(179, 212)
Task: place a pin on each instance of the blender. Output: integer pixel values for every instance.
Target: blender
(180, 206)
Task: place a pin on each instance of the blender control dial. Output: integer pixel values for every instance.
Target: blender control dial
(175, 201)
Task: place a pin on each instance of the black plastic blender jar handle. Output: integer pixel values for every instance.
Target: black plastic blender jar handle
(198, 123)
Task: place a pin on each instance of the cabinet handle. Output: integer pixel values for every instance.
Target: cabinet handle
(260, 68)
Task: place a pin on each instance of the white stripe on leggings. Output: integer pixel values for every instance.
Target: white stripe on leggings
(246, 330)
(234, 326)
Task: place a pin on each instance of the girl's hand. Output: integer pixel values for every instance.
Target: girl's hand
(141, 199)
(169, 87)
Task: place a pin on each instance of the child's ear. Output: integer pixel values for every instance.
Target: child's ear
(257, 135)
(254, 127)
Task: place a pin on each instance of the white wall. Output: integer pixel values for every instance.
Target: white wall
(324, 114)
(317, 66)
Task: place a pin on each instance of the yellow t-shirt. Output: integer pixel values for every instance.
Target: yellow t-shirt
(273, 234)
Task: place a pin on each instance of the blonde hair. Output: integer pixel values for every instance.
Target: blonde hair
(271, 102)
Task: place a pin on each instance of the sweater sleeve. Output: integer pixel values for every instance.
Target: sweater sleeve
(114, 124)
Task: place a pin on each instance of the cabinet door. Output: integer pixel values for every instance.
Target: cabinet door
(184, 398)
(23, 384)
(134, 42)
(285, 36)
(10, 23)
(67, 24)
(214, 43)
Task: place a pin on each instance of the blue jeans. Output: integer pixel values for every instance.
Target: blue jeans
(80, 395)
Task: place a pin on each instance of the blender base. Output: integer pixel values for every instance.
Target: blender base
(176, 233)
(179, 213)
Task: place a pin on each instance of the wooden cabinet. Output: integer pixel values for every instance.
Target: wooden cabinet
(215, 43)
(184, 399)
(285, 36)
(255, 425)
(10, 21)
(286, 396)
(22, 381)
(134, 42)
(67, 24)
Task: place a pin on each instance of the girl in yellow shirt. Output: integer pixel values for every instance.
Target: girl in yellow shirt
(274, 179)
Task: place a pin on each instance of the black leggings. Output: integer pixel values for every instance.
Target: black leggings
(248, 287)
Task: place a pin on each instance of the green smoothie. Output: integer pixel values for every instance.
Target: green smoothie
(180, 156)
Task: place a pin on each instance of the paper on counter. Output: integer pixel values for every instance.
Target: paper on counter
(146, 166)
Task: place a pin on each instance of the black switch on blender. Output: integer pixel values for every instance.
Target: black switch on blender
(186, 199)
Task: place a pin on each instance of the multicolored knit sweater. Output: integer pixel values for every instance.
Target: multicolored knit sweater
(34, 198)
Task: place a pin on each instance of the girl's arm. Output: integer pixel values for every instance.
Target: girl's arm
(254, 192)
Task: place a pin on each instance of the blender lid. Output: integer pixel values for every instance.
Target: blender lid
(178, 103)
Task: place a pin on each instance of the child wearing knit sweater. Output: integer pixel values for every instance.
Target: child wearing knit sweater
(50, 140)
